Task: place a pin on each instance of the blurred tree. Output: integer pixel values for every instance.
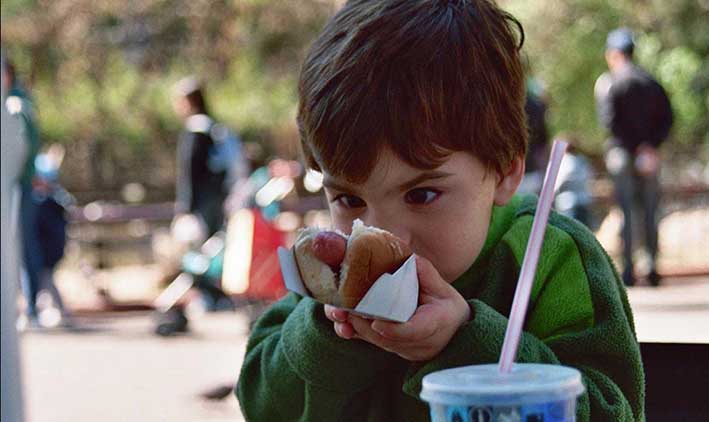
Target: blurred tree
(565, 45)
(101, 71)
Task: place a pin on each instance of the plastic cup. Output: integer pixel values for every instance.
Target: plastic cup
(529, 393)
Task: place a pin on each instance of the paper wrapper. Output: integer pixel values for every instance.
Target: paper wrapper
(393, 297)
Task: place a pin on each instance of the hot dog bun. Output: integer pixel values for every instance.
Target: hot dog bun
(318, 278)
(370, 253)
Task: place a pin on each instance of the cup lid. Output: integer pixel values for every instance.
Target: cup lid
(483, 384)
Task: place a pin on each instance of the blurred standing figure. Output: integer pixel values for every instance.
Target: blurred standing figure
(635, 109)
(19, 104)
(208, 165)
(53, 202)
(206, 155)
(535, 107)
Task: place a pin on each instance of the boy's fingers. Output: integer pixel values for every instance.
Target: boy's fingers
(335, 314)
(363, 329)
(430, 280)
(344, 330)
(327, 309)
(421, 326)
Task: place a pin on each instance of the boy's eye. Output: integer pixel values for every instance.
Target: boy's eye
(421, 196)
(349, 201)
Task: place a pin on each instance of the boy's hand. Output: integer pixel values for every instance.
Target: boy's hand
(441, 311)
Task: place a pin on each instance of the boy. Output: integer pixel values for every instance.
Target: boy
(413, 111)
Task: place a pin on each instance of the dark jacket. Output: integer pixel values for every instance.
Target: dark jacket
(535, 109)
(199, 189)
(51, 223)
(636, 109)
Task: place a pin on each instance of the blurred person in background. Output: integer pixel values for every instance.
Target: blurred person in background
(535, 107)
(53, 202)
(19, 104)
(209, 164)
(635, 109)
(200, 186)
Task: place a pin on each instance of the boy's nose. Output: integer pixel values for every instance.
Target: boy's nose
(397, 228)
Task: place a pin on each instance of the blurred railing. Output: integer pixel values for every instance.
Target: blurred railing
(104, 228)
(101, 212)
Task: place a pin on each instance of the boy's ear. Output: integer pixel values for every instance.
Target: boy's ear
(508, 182)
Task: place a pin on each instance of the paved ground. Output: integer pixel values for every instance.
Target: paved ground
(676, 312)
(115, 369)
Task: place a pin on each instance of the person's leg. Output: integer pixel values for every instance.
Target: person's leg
(624, 192)
(31, 250)
(212, 214)
(650, 202)
(30, 313)
(48, 284)
(215, 297)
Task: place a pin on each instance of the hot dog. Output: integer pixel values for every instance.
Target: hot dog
(339, 270)
(329, 247)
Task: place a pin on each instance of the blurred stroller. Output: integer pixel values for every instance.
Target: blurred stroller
(236, 267)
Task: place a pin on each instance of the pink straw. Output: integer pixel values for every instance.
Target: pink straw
(531, 257)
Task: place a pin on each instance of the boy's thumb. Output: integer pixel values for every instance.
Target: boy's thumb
(429, 278)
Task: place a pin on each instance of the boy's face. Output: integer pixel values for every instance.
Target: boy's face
(443, 214)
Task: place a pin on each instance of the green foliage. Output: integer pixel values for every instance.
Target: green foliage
(102, 72)
(13, 7)
(247, 99)
(565, 45)
(676, 68)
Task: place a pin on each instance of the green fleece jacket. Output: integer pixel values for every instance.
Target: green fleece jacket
(296, 368)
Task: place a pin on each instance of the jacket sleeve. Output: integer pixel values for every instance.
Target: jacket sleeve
(590, 329)
(612, 109)
(32, 136)
(183, 186)
(604, 107)
(296, 368)
(664, 117)
(200, 174)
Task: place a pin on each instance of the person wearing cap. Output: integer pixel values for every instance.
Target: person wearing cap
(635, 109)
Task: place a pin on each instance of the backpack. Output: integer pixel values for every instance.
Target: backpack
(225, 154)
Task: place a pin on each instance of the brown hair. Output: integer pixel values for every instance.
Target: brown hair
(422, 78)
(191, 89)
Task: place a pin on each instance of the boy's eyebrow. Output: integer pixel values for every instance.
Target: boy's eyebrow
(423, 177)
(334, 184)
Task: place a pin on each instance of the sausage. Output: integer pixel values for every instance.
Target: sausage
(329, 247)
